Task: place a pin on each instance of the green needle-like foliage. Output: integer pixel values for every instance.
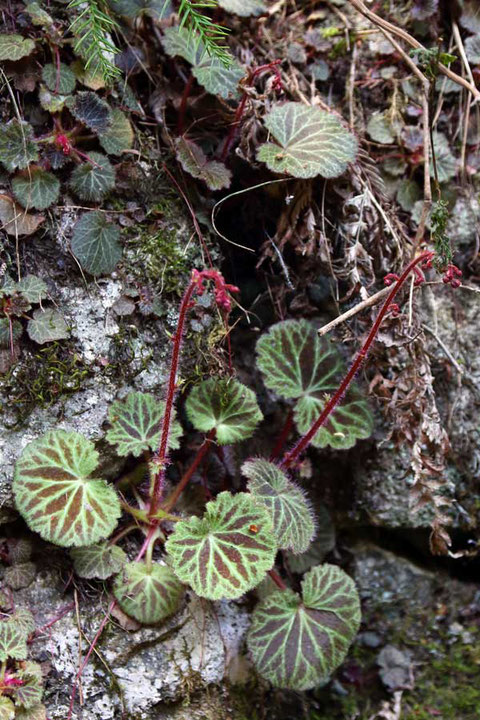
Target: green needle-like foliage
(92, 28)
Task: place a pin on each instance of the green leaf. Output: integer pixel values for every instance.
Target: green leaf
(7, 709)
(38, 15)
(20, 575)
(5, 332)
(91, 110)
(243, 8)
(36, 188)
(323, 544)
(157, 9)
(226, 406)
(148, 594)
(381, 129)
(17, 147)
(297, 642)
(49, 101)
(137, 423)
(19, 550)
(37, 712)
(310, 142)
(30, 693)
(13, 643)
(55, 495)
(407, 195)
(23, 621)
(33, 288)
(47, 326)
(296, 363)
(14, 47)
(291, 513)
(63, 76)
(228, 551)
(98, 561)
(95, 243)
(93, 179)
(119, 136)
(215, 174)
(210, 72)
(470, 17)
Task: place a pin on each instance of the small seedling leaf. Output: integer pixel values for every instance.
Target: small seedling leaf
(297, 642)
(14, 47)
(136, 424)
(59, 80)
(291, 513)
(226, 406)
(98, 561)
(309, 142)
(47, 326)
(148, 594)
(244, 8)
(13, 642)
(36, 188)
(215, 77)
(38, 15)
(55, 494)
(33, 288)
(17, 147)
(380, 129)
(19, 550)
(296, 363)
(93, 179)
(95, 243)
(51, 102)
(119, 136)
(20, 575)
(91, 110)
(215, 174)
(226, 552)
(23, 621)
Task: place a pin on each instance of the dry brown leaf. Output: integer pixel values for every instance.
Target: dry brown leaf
(15, 220)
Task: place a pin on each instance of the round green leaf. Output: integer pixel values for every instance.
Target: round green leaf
(46, 326)
(119, 136)
(55, 495)
(17, 146)
(98, 561)
(23, 621)
(29, 694)
(14, 47)
(228, 551)
(381, 129)
(291, 513)
(91, 110)
(7, 709)
(297, 642)
(226, 406)
(92, 179)
(20, 575)
(296, 363)
(137, 423)
(408, 194)
(324, 542)
(95, 243)
(33, 288)
(310, 142)
(36, 188)
(148, 594)
(13, 642)
(61, 80)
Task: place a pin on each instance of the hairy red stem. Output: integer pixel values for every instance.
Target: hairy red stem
(161, 457)
(202, 451)
(183, 105)
(283, 436)
(277, 579)
(330, 406)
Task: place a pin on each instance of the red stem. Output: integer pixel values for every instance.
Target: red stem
(277, 579)
(301, 445)
(161, 458)
(202, 451)
(183, 105)
(283, 436)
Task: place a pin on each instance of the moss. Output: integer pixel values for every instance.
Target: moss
(41, 377)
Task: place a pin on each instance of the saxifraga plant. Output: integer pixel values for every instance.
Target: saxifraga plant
(296, 640)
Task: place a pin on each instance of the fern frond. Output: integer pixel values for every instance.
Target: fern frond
(210, 34)
(92, 28)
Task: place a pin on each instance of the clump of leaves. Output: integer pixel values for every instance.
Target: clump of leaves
(21, 681)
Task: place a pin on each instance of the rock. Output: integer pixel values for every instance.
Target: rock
(396, 670)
